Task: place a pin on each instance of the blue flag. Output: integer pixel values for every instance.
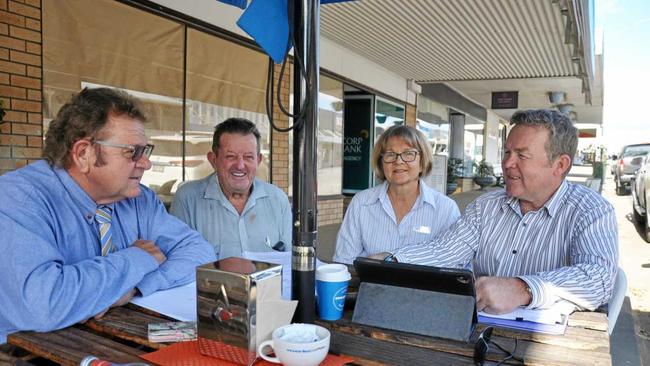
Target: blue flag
(266, 21)
(238, 3)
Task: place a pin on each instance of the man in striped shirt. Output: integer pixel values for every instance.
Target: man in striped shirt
(540, 240)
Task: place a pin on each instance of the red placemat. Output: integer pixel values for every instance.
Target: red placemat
(187, 354)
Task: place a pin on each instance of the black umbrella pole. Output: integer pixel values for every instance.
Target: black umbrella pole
(305, 149)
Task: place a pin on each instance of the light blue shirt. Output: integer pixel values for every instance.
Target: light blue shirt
(265, 220)
(370, 225)
(53, 274)
(568, 249)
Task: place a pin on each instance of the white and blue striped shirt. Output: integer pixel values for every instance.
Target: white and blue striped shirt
(370, 225)
(568, 249)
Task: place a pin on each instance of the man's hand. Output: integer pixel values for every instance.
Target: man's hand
(499, 295)
(121, 301)
(379, 256)
(151, 248)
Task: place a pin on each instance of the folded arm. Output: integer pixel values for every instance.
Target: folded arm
(41, 291)
(454, 248)
(184, 248)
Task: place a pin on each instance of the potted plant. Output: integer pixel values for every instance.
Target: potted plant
(454, 171)
(484, 174)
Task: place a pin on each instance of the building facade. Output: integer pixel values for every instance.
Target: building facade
(192, 68)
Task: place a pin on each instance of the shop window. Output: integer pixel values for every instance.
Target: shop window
(330, 137)
(473, 151)
(106, 43)
(387, 114)
(437, 134)
(223, 80)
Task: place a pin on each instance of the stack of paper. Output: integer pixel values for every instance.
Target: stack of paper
(172, 332)
(552, 320)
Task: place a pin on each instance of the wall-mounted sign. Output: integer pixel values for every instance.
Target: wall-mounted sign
(357, 143)
(505, 100)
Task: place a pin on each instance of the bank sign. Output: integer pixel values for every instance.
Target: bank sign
(357, 143)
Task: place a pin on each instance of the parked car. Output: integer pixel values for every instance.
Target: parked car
(628, 163)
(612, 164)
(166, 172)
(641, 195)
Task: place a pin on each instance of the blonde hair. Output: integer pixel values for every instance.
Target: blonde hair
(413, 137)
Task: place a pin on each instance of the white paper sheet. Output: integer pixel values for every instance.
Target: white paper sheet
(281, 258)
(178, 302)
(556, 314)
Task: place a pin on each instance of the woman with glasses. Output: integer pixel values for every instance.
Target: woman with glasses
(402, 209)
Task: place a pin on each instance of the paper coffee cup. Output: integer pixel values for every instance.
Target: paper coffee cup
(331, 288)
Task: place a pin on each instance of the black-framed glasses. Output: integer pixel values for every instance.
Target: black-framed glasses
(136, 151)
(407, 156)
(482, 347)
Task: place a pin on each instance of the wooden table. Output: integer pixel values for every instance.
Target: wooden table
(585, 342)
(122, 335)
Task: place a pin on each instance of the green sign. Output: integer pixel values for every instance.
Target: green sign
(357, 143)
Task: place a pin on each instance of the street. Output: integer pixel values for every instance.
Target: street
(630, 341)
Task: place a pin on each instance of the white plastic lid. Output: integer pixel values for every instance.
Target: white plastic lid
(333, 273)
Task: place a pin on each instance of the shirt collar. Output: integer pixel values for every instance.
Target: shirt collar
(557, 199)
(551, 206)
(426, 195)
(378, 194)
(86, 205)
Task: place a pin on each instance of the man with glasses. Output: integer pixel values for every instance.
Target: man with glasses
(79, 232)
(541, 239)
(234, 210)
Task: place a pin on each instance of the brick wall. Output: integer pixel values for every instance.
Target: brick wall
(330, 211)
(280, 140)
(21, 133)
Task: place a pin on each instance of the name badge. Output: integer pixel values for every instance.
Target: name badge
(422, 229)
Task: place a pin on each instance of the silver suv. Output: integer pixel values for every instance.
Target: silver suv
(629, 162)
(641, 196)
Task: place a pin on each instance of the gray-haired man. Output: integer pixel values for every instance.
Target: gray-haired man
(541, 239)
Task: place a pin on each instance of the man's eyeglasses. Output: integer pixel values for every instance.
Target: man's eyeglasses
(482, 347)
(136, 151)
(407, 156)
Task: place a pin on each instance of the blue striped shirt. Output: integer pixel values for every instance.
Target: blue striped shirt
(370, 225)
(568, 249)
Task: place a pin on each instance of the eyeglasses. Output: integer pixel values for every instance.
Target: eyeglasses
(136, 151)
(482, 347)
(407, 156)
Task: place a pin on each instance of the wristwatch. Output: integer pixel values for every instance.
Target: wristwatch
(390, 258)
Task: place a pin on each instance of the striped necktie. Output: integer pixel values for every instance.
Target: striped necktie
(103, 218)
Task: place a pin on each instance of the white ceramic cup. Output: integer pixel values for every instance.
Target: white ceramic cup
(293, 347)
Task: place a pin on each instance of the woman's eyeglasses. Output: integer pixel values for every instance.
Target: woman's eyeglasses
(482, 347)
(407, 156)
(136, 151)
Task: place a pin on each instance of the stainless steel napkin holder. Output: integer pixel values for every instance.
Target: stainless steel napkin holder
(228, 296)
